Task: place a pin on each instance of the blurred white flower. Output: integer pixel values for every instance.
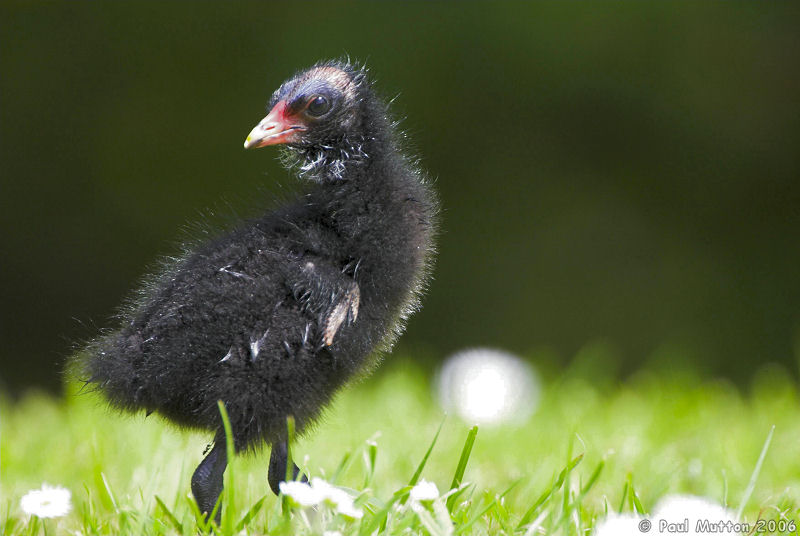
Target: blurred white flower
(703, 516)
(619, 525)
(49, 501)
(331, 533)
(348, 509)
(301, 493)
(684, 514)
(336, 497)
(319, 492)
(424, 491)
(323, 487)
(484, 385)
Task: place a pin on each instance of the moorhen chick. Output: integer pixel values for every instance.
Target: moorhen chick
(274, 315)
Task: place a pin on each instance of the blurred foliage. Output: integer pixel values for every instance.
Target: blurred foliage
(622, 175)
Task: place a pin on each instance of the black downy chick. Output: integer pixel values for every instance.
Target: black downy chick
(275, 315)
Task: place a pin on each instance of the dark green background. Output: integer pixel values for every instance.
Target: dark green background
(620, 181)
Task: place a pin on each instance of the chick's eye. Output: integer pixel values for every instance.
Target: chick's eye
(318, 106)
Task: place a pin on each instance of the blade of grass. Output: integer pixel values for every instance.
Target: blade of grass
(343, 465)
(228, 521)
(576, 500)
(181, 478)
(200, 519)
(442, 516)
(10, 524)
(250, 514)
(633, 498)
(526, 518)
(637, 503)
(462, 463)
(170, 516)
(724, 489)
(533, 528)
(568, 477)
(88, 515)
(370, 455)
(593, 479)
(485, 510)
(213, 515)
(380, 518)
(109, 493)
(432, 524)
(455, 495)
(422, 463)
(624, 498)
(7, 523)
(756, 471)
(465, 453)
(33, 526)
(421, 466)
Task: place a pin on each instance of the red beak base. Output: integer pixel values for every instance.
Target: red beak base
(274, 129)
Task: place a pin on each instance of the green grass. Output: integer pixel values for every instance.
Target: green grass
(591, 447)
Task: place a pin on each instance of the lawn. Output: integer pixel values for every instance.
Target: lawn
(594, 446)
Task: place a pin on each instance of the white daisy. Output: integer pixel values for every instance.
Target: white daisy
(301, 493)
(424, 491)
(336, 497)
(50, 501)
(348, 509)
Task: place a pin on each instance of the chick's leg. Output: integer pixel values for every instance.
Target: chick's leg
(278, 460)
(207, 479)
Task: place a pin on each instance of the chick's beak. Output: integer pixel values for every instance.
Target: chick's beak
(274, 129)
